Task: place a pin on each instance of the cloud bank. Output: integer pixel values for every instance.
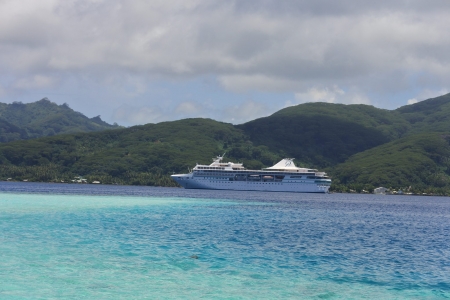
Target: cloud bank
(141, 61)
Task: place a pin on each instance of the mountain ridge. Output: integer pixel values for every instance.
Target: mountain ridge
(335, 137)
(21, 121)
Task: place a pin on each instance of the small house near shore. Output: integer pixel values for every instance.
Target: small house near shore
(380, 191)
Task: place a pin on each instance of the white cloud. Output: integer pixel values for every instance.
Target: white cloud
(247, 111)
(34, 82)
(236, 114)
(412, 101)
(311, 49)
(174, 38)
(333, 94)
(427, 94)
(320, 95)
(188, 108)
(130, 115)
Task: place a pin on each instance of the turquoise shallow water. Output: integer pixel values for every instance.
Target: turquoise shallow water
(109, 242)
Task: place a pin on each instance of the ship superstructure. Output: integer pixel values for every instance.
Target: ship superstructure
(282, 177)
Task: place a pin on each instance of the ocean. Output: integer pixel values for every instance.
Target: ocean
(62, 241)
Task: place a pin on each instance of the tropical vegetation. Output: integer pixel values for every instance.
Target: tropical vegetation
(361, 146)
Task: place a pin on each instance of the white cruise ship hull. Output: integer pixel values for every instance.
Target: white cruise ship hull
(190, 182)
(282, 177)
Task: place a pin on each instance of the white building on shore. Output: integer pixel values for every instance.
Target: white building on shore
(380, 191)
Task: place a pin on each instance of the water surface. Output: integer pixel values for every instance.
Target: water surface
(61, 241)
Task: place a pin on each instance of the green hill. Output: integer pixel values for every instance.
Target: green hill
(10, 132)
(419, 160)
(137, 155)
(361, 146)
(44, 118)
(388, 122)
(324, 134)
(417, 163)
(429, 115)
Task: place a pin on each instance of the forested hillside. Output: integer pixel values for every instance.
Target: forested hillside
(137, 155)
(417, 163)
(361, 146)
(20, 121)
(432, 115)
(322, 134)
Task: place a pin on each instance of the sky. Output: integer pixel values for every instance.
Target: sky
(137, 62)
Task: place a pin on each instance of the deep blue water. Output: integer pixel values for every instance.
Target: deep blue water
(60, 241)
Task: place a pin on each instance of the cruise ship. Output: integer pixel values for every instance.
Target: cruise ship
(282, 177)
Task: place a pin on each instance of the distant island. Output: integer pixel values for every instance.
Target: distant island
(360, 146)
(19, 121)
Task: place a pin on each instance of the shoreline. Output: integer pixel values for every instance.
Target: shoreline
(179, 187)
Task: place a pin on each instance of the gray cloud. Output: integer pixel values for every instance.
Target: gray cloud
(342, 7)
(298, 47)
